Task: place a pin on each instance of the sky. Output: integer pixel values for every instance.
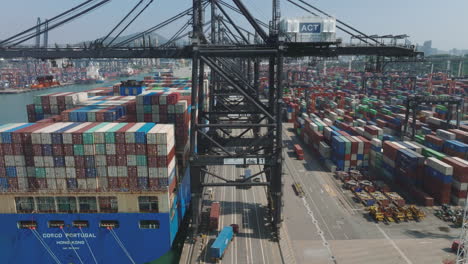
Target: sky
(443, 22)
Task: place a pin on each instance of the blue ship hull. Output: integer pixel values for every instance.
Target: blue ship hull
(125, 244)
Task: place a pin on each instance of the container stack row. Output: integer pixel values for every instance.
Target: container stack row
(101, 109)
(167, 107)
(87, 156)
(48, 105)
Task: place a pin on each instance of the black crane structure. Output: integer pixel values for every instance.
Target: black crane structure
(239, 126)
(414, 102)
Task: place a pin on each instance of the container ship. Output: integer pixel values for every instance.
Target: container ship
(96, 179)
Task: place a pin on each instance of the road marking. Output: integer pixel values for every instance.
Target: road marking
(293, 172)
(247, 225)
(234, 195)
(258, 226)
(394, 245)
(329, 190)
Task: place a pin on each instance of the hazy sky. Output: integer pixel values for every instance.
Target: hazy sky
(445, 22)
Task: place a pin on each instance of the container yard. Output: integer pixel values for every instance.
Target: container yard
(233, 132)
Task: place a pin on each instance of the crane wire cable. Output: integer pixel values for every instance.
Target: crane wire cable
(69, 11)
(124, 249)
(121, 21)
(61, 22)
(131, 22)
(71, 245)
(87, 244)
(47, 248)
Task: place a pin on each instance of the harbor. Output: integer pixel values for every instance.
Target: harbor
(282, 132)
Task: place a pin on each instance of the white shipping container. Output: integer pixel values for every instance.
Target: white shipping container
(112, 171)
(61, 184)
(69, 161)
(88, 149)
(100, 160)
(459, 186)
(131, 160)
(440, 166)
(60, 173)
(102, 183)
(142, 171)
(92, 183)
(445, 134)
(376, 142)
(9, 160)
(48, 161)
(39, 161)
(153, 172)
(101, 171)
(70, 173)
(461, 160)
(110, 149)
(51, 184)
(82, 184)
(122, 171)
(21, 172)
(22, 184)
(50, 173)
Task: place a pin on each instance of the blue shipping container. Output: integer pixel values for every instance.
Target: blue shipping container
(221, 243)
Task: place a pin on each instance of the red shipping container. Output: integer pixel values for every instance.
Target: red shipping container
(120, 134)
(57, 150)
(32, 183)
(120, 149)
(434, 140)
(123, 182)
(153, 183)
(79, 162)
(130, 149)
(111, 160)
(7, 149)
(121, 160)
(390, 150)
(460, 169)
(80, 173)
(133, 183)
(140, 149)
(18, 149)
(214, 216)
(67, 149)
(458, 193)
(77, 138)
(113, 183)
(41, 183)
(132, 171)
(152, 162)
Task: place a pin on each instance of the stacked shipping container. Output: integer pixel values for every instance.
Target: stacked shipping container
(87, 156)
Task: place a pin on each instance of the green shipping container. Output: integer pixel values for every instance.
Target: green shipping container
(428, 152)
(78, 150)
(40, 172)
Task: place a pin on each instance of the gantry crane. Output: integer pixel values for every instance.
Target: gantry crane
(219, 131)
